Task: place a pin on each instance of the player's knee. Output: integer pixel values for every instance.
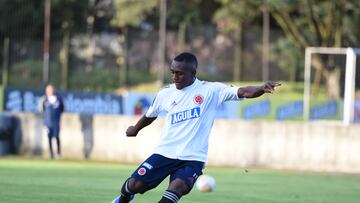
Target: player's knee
(180, 187)
(137, 186)
(185, 192)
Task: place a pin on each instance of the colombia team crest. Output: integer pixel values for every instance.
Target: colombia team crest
(198, 99)
(142, 171)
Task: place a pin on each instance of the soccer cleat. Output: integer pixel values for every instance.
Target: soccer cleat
(117, 199)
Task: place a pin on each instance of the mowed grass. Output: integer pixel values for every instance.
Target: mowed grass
(24, 180)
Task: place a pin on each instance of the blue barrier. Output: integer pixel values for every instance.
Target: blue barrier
(17, 100)
(325, 110)
(256, 110)
(290, 110)
(357, 111)
(20, 100)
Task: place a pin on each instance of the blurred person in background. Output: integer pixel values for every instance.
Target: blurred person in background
(52, 108)
(190, 106)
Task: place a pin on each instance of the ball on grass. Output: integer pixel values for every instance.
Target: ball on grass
(205, 183)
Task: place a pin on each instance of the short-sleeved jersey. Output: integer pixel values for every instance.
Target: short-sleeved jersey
(190, 113)
(53, 107)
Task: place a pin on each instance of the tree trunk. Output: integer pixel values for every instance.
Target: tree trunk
(122, 60)
(237, 54)
(332, 78)
(64, 60)
(332, 83)
(126, 68)
(5, 64)
(181, 37)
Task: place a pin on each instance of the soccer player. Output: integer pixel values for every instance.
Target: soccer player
(190, 107)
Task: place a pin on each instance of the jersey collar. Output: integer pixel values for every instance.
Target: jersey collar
(190, 86)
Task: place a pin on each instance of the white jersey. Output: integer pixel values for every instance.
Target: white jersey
(190, 113)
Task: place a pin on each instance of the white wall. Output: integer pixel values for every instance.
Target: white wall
(316, 146)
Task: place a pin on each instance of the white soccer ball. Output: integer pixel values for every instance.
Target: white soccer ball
(205, 183)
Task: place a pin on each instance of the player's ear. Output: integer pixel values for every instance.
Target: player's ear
(194, 73)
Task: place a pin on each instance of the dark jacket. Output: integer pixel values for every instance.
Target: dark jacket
(52, 111)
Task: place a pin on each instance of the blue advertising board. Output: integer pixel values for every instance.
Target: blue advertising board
(290, 110)
(27, 100)
(324, 110)
(256, 110)
(357, 111)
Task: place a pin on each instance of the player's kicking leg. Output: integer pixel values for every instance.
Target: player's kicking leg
(126, 194)
(175, 191)
(182, 181)
(147, 176)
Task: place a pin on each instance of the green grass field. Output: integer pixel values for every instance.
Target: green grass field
(24, 180)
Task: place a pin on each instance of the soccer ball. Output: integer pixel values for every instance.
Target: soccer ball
(205, 183)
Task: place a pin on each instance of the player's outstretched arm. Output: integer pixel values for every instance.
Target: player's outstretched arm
(144, 121)
(257, 91)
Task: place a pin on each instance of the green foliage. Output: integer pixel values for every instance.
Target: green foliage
(68, 15)
(130, 12)
(183, 11)
(306, 23)
(28, 74)
(18, 17)
(288, 57)
(27, 17)
(98, 79)
(138, 76)
(106, 79)
(318, 23)
(190, 12)
(233, 12)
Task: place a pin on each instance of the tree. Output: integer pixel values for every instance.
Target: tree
(183, 14)
(23, 20)
(18, 17)
(27, 17)
(129, 13)
(67, 17)
(230, 17)
(320, 23)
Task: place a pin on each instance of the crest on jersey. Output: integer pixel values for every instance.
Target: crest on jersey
(198, 99)
(141, 171)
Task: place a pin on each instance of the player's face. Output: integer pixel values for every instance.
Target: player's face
(182, 74)
(49, 90)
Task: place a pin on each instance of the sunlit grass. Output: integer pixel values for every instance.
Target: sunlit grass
(30, 181)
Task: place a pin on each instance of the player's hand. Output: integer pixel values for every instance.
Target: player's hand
(269, 86)
(131, 131)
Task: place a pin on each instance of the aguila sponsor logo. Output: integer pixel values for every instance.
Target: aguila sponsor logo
(185, 115)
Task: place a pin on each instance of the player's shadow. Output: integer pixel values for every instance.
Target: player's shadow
(10, 134)
(88, 133)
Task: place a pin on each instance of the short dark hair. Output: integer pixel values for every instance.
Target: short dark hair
(188, 58)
